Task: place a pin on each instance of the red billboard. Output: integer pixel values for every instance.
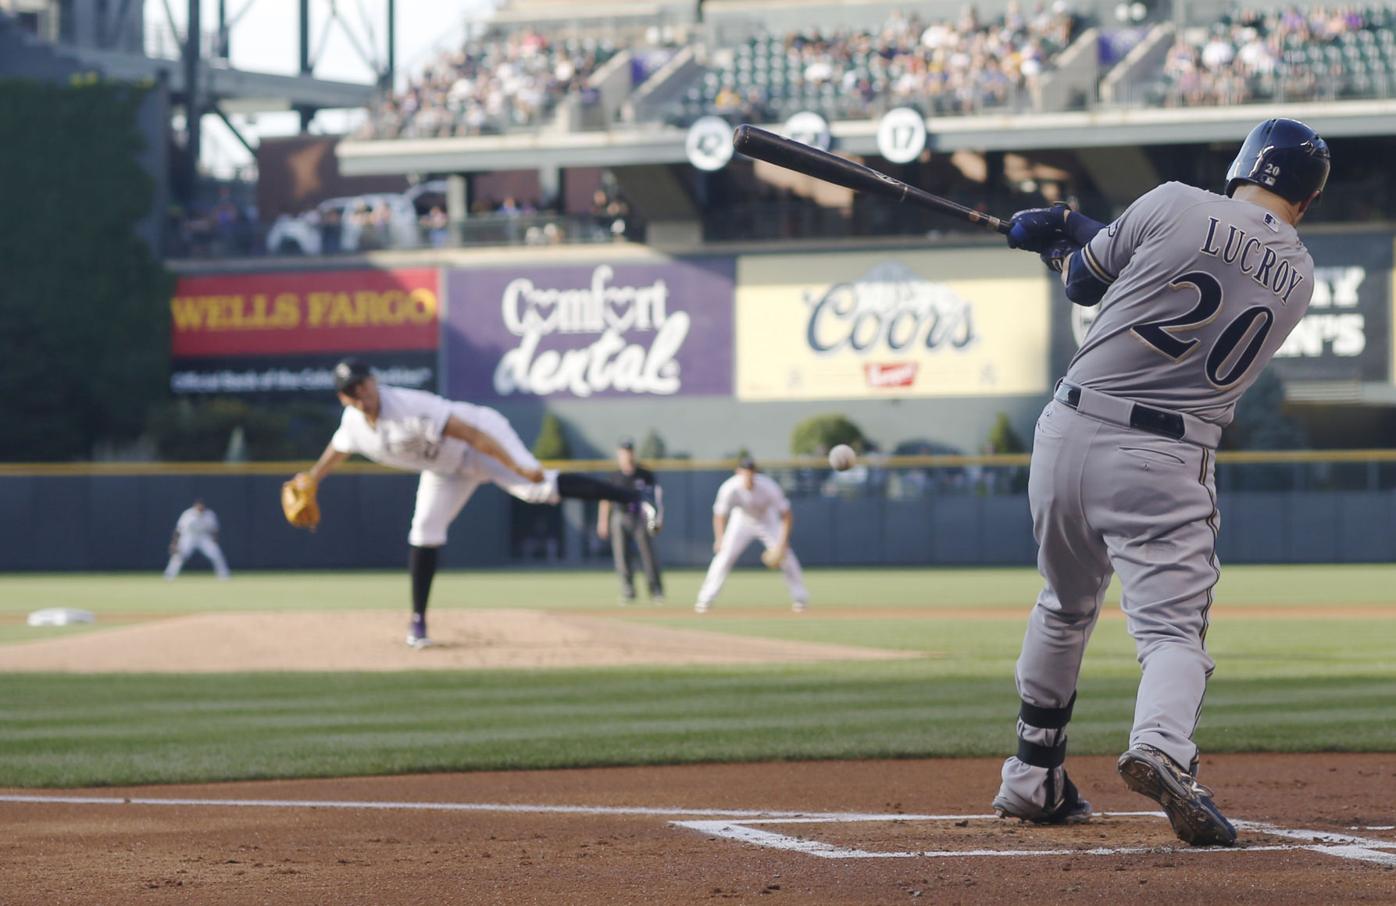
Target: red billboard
(304, 311)
(282, 331)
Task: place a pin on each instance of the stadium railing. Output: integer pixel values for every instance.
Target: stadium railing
(874, 475)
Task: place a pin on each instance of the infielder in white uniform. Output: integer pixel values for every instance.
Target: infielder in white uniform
(1196, 292)
(749, 507)
(456, 447)
(196, 530)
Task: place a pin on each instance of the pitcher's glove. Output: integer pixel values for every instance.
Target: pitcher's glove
(773, 557)
(298, 502)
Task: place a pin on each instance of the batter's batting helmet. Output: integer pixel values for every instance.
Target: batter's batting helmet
(1284, 156)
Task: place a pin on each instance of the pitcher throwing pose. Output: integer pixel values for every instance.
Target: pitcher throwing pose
(751, 506)
(1196, 292)
(456, 447)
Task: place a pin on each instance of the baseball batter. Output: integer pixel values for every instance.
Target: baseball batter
(1196, 292)
(456, 447)
(751, 506)
(196, 530)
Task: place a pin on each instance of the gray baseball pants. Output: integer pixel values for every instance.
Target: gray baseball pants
(1108, 499)
(628, 528)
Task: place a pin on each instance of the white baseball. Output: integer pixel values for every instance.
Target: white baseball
(842, 457)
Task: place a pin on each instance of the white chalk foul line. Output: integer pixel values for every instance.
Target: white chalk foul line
(497, 807)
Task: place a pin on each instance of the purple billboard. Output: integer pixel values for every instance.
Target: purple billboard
(583, 331)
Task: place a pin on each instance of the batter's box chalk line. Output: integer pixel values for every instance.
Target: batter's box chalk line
(752, 832)
(748, 826)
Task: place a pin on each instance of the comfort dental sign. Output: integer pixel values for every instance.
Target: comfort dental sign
(595, 330)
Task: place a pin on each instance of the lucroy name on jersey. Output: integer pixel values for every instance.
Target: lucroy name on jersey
(1270, 270)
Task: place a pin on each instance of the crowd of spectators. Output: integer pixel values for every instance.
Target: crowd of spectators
(490, 85)
(1316, 53)
(938, 66)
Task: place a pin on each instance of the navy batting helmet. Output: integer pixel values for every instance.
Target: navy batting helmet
(1284, 156)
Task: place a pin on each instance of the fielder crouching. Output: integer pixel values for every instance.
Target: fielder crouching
(456, 447)
(750, 507)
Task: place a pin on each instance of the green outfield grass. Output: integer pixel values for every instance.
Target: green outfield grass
(1288, 679)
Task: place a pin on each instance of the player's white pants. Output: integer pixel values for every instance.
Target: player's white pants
(741, 531)
(440, 498)
(204, 545)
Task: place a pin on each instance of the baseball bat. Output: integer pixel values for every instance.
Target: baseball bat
(773, 149)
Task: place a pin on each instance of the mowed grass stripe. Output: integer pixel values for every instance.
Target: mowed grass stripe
(1291, 685)
(886, 718)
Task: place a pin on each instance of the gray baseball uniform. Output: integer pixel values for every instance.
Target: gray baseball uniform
(1202, 290)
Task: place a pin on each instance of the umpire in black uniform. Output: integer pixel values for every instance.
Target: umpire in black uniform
(624, 524)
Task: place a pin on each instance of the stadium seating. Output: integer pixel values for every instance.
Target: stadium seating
(492, 84)
(1294, 54)
(938, 66)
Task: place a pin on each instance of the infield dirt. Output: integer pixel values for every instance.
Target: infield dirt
(293, 853)
(373, 641)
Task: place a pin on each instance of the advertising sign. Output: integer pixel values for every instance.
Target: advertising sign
(1346, 334)
(594, 330)
(282, 332)
(887, 324)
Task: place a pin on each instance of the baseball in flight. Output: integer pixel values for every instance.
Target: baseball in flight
(842, 457)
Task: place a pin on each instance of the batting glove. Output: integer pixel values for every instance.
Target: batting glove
(1033, 229)
(1055, 253)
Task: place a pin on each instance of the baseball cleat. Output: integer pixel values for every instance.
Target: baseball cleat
(417, 634)
(700, 607)
(1071, 809)
(652, 505)
(799, 606)
(1188, 804)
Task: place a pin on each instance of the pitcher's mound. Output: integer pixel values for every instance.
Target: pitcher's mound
(374, 640)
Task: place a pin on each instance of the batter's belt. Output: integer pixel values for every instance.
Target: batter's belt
(1116, 411)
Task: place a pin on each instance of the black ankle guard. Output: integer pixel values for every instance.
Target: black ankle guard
(1046, 718)
(1030, 753)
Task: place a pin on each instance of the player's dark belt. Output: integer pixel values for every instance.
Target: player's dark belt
(1135, 415)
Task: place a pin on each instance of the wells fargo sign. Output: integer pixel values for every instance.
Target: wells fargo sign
(305, 312)
(278, 333)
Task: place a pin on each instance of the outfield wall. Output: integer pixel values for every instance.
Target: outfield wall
(61, 522)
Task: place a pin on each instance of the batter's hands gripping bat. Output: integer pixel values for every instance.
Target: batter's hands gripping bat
(792, 155)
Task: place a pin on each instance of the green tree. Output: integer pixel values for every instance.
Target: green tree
(817, 435)
(84, 305)
(1261, 422)
(552, 440)
(200, 430)
(652, 446)
(1002, 437)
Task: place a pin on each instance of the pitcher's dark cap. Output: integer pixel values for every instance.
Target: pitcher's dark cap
(349, 373)
(746, 462)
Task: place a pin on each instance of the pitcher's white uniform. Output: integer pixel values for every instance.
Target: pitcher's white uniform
(409, 435)
(751, 515)
(196, 530)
